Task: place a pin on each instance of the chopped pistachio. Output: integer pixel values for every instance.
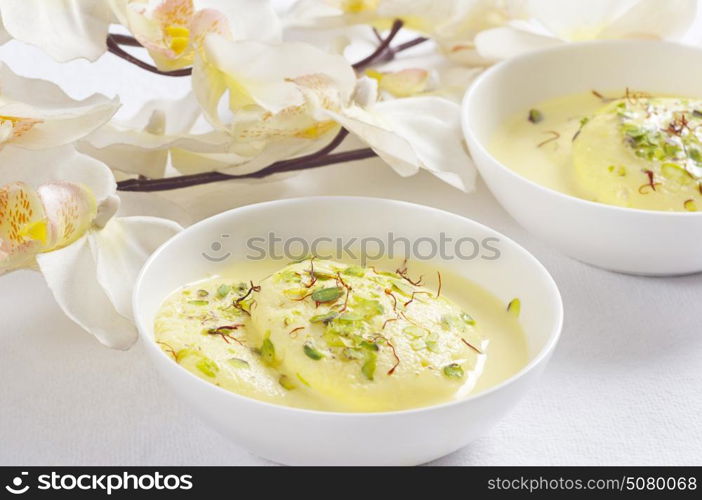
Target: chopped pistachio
(368, 368)
(202, 293)
(453, 370)
(286, 383)
(413, 331)
(268, 352)
(367, 308)
(325, 318)
(238, 362)
(690, 205)
(417, 344)
(535, 116)
(514, 307)
(433, 346)
(352, 353)
(350, 316)
(207, 366)
(371, 346)
(223, 290)
(198, 302)
(302, 379)
(354, 271)
(311, 351)
(327, 294)
(467, 318)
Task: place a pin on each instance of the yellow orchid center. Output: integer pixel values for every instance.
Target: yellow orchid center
(36, 231)
(18, 125)
(358, 6)
(177, 37)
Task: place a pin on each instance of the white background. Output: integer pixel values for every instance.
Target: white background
(624, 386)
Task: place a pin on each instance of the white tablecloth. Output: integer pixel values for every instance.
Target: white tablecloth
(622, 388)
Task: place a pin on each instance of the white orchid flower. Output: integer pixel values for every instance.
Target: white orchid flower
(412, 133)
(37, 114)
(64, 29)
(419, 15)
(275, 95)
(141, 144)
(56, 215)
(544, 23)
(171, 30)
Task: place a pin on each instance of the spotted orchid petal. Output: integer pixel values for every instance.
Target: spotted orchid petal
(40, 211)
(64, 29)
(172, 30)
(41, 220)
(92, 279)
(37, 114)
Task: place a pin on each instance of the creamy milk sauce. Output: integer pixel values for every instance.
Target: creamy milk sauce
(429, 351)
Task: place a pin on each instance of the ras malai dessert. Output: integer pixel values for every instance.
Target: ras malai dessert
(325, 335)
(636, 150)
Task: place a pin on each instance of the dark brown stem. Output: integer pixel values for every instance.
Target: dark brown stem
(318, 159)
(130, 41)
(382, 47)
(114, 47)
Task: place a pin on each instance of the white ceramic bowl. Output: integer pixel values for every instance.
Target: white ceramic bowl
(295, 436)
(620, 239)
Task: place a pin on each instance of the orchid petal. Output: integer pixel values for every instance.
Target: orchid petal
(404, 83)
(502, 43)
(56, 165)
(262, 74)
(414, 133)
(92, 279)
(140, 145)
(650, 19)
(64, 29)
(22, 225)
(43, 116)
(121, 249)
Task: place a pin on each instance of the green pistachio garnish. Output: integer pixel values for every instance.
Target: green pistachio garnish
(368, 368)
(414, 331)
(325, 318)
(514, 307)
(350, 316)
(690, 205)
(371, 346)
(367, 308)
(535, 116)
(323, 275)
(417, 344)
(402, 287)
(467, 318)
(286, 383)
(327, 294)
(223, 291)
(198, 302)
(352, 353)
(453, 370)
(354, 271)
(207, 366)
(268, 352)
(302, 379)
(202, 293)
(676, 173)
(311, 351)
(432, 346)
(238, 362)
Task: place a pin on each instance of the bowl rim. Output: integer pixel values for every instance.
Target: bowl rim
(471, 137)
(541, 356)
